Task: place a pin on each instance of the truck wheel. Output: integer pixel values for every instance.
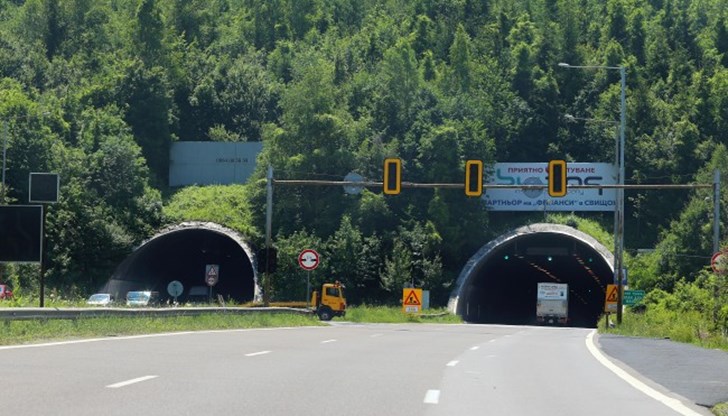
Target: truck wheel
(325, 314)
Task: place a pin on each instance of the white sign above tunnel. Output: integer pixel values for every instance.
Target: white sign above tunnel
(539, 200)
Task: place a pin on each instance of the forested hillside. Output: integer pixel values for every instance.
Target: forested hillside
(96, 90)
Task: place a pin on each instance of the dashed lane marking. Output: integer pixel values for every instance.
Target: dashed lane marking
(432, 397)
(128, 382)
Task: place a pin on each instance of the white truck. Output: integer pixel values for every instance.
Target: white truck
(552, 303)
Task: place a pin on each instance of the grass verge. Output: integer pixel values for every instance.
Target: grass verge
(720, 409)
(685, 326)
(23, 332)
(392, 315)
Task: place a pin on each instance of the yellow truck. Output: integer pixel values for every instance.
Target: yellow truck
(329, 301)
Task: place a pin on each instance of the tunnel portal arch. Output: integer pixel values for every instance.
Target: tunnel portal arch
(498, 283)
(181, 252)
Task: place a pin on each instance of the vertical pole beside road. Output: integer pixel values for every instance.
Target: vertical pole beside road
(42, 255)
(268, 225)
(5, 152)
(716, 210)
(716, 239)
(619, 209)
(620, 191)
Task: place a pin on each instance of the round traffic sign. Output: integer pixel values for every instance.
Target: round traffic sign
(353, 189)
(175, 288)
(719, 262)
(308, 259)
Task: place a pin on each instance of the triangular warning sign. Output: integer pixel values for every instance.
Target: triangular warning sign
(612, 295)
(412, 299)
(212, 272)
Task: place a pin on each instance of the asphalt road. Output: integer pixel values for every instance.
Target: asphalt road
(696, 373)
(342, 369)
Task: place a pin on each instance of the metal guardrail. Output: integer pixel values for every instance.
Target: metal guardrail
(11, 314)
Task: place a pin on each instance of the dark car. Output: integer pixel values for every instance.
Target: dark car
(5, 292)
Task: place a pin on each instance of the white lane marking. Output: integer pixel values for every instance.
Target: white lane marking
(328, 340)
(128, 382)
(474, 348)
(452, 363)
(377, 335)
(670, 402)
(432, 397)
(492, 340)
(253, 354)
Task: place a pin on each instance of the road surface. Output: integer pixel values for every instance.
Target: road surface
(344, 369)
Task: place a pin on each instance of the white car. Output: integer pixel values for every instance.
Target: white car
(142, 298)
(100, 299)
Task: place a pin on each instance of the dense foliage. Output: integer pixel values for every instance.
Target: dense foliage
(98, 89)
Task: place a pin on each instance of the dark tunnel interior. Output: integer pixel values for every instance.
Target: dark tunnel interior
(182, 255)
(503, 288)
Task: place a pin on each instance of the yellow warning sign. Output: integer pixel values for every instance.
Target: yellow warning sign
(610, 301)
(411, 302)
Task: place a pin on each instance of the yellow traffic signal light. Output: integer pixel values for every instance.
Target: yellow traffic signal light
(557, 178)
(392, 176)
(474, 178)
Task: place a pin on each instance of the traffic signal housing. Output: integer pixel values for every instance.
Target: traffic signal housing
(474, 178)
(557, 178)
(392, 182)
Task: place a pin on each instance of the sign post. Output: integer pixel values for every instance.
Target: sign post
(212, 275)
(308, 259)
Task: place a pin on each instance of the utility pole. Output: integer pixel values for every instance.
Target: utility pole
(5, 151)
(268, 225)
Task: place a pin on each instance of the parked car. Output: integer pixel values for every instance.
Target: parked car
(100, 299)
(142, 298)
(5, 292)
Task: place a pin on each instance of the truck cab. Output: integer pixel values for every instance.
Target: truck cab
(329, 301)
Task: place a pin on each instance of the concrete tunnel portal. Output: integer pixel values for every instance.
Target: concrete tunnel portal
(499, 282)
(181, 252)
(497, 285)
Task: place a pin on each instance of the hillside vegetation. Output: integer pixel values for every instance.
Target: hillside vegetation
(97, 90)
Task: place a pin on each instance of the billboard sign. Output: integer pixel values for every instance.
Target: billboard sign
(536, 173)
(21, 233)
(212, 163)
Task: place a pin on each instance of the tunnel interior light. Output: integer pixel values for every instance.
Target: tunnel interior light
(549, 258)
(506, 257)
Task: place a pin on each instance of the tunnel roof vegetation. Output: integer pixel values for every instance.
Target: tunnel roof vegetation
(97, 92)
(226, 205)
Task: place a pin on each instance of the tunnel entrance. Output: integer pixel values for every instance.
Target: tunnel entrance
(499, 283)
(181, 253)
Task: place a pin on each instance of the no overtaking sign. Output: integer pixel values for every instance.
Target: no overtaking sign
(308, 259)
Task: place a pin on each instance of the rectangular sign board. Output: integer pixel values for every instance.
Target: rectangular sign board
(43, 187)
(212, 163)
(536, 173)
(632, 297)
(553, 291)
(21, 233)
(411, 300)
(611, 299)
